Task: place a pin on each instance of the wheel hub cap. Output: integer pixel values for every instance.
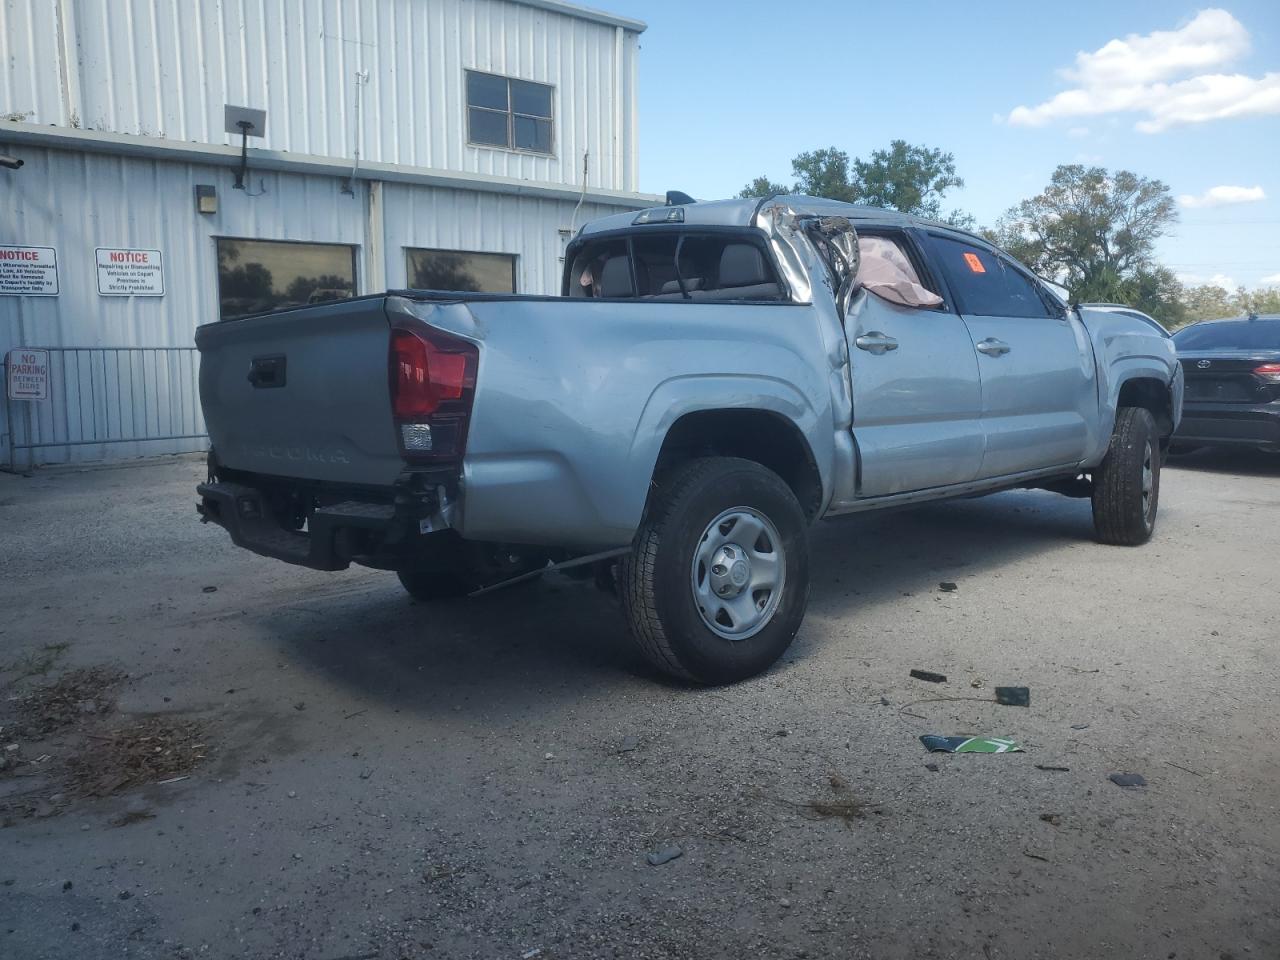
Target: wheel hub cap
(737, 573)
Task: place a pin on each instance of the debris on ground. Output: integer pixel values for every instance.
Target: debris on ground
(58, 704)
(155, 748)
(1128, 779)
(929, 676)
(1013, 696)
(1080, 726)
(628, 743)
(658, 857)
(1052, 769)
(931, 767)
(946, 586)
(209, 589)
(1053, 818)
(939, 744)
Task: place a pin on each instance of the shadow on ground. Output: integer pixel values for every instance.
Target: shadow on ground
(1240, 463)
(541, 643)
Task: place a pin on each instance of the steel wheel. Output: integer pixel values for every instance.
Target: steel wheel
(1148, 482)
(738, 573)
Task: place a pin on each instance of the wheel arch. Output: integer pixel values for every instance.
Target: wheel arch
(1152, 394)
(764, 436)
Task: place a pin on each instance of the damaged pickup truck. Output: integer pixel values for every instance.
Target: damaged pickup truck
(714, 378)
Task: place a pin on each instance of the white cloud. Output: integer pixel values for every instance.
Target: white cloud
(1222, 196)
(1274, 278)
(1159, 75)
(1216, 280)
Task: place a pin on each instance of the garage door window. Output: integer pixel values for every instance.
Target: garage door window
(461, 270)
(259, 276)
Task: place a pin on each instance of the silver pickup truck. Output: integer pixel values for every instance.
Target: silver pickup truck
(714, 378)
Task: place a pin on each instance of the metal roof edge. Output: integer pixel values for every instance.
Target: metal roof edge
(181, 151)
(587, 13)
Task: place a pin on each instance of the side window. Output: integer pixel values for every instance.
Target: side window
(985, 285)
(886, 269)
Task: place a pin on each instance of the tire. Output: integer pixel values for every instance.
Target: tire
(1126, 486)
(468, 566)
(670, 582)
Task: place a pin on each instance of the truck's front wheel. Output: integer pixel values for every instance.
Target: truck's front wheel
(716, 585)
(1126, 486)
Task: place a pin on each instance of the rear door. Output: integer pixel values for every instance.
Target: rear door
(1039, 392)
(917, 397)
(303, 393)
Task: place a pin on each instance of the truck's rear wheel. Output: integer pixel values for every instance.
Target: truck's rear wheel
(1126, 486)
(716, 585)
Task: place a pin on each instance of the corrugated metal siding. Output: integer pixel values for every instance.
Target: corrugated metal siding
(462, 220)
(30, 84)
(165, 68)
(76, 202)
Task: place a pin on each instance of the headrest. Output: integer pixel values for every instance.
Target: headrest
(615, 278)
(741, 265)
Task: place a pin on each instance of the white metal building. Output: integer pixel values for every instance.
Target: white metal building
(446, 143)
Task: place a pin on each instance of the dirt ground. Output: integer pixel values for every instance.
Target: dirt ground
(351, 775)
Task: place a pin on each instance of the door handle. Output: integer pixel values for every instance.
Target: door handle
(876, 342)
(992, 347)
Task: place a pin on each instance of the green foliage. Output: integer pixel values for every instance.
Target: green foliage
(906, 177)
(1211, 302)
(1095, 232)
(1089, 226)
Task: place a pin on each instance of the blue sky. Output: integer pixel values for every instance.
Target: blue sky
(730, 90)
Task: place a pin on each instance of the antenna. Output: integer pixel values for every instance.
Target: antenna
(247, 122)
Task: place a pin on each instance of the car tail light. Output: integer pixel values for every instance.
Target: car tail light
(433, 379)
(1269, 372)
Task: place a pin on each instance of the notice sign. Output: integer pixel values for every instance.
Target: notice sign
(130, 273)
(28, 374)
(28, 271)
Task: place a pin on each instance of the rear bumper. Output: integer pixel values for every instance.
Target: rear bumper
(335, 534)
(1230, 424)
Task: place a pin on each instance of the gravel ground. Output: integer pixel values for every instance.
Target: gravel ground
(379, 779)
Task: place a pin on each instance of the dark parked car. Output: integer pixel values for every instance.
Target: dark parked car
(1232, 372)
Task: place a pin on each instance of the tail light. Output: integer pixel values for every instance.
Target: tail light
(433, 380)
(1269, 372)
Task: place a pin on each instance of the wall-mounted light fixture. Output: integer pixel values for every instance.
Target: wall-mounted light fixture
(206, 198)
(13, 163)
(247, 122)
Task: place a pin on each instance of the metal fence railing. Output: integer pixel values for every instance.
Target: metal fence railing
(107, 397)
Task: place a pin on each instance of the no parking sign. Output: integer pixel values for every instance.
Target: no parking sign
(28, 374)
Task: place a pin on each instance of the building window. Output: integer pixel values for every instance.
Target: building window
(502, 112)
(258, 276)
(461, 270)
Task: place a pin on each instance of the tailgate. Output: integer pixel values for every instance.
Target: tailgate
(303, 393)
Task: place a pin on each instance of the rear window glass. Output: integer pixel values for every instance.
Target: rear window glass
(985, 285)
(675, 266)
(1230, 335)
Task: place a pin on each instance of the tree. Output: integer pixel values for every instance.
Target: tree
(905, 177)
(1095, 233)
(1089, 228)
(1211, 302)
